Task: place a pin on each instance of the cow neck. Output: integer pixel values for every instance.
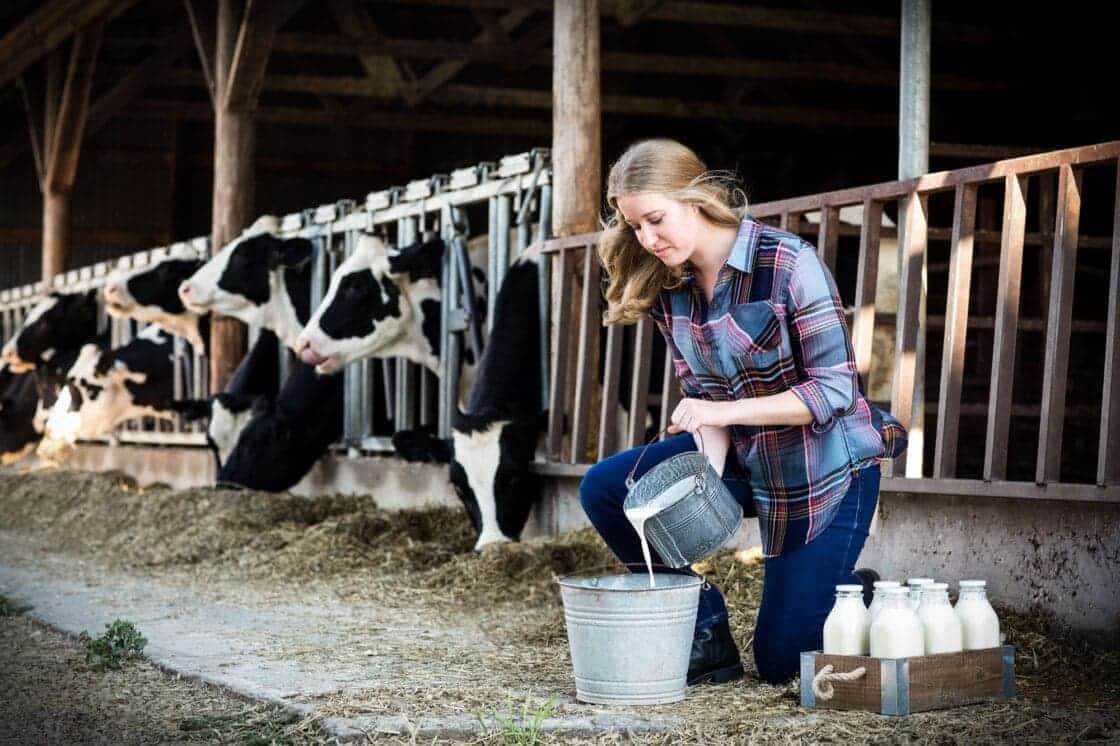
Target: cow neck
(193, 327)
(290, 307)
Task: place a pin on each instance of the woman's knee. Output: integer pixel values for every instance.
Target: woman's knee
(594, 490)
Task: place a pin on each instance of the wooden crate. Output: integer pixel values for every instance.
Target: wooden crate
(899, 686)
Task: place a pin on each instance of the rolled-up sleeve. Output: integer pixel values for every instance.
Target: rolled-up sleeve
(690, 386)
(820, 340)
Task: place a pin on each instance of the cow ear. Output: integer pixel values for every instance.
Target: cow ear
(420, 260)
(292, 252)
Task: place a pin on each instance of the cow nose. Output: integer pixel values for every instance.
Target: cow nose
(306, 352)
(185, 290)
(112, 291)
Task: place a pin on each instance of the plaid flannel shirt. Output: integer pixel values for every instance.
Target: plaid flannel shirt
(776, 323)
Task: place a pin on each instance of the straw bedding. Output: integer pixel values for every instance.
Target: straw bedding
(423, 559)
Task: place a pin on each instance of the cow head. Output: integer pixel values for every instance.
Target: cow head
(59, 321)
(151, 295)
(378, 305)
(490, 474)
(259, 279)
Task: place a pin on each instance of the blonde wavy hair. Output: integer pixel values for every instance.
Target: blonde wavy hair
(635, 277)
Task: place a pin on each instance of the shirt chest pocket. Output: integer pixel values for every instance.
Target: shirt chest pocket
(752, 337)
(753, 328)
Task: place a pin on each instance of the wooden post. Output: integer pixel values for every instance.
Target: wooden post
(232, 206)
(66, 111)
(243, 35)
(576, 153)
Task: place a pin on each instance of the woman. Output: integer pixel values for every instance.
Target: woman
(756, 331)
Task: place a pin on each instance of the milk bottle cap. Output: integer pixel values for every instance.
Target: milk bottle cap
(972, 584)
(919, 581)
(887, 584)
(849, 588)
(896, 591)
(935, 587)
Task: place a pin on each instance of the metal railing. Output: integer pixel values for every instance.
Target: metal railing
(576, 385)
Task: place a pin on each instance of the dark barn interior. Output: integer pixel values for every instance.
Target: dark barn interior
(798, 97)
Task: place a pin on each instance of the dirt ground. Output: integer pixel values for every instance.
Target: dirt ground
(490, 633)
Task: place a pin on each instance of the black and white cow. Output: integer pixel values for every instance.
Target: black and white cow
(281, 440)
(107, 387)
(59, 321)
(384, 303)
(35, 361)
(151, 295)
(495, 439)
(258, 278)
(266, 280)
(257, 378)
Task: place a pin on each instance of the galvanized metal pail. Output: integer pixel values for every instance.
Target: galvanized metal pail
(630, 643)
(696, 525)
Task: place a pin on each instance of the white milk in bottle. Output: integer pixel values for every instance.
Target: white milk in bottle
(848, 625)
(642, 513)
(940, 625)
(896, 631)
(979, 623)
(915, 586)
(877, 599)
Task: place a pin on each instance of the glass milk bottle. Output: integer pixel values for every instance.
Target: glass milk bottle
(915, 586)
(979, 623)
(877, 600)
(940, 624)
(848, 624)
(896, 631)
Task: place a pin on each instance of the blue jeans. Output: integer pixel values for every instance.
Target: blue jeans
(799, 586)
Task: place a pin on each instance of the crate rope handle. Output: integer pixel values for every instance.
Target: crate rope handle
(822, 682)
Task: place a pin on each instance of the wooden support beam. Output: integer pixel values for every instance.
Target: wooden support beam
(66, 135)
(126, 90)
(444, 72)
(45, 28)
(915, 213)
(34, 131)
(535, 127)
(66, 119)
(733, 67)
(366, 40)
(202, 22)
(259, 25)
(519, 98)
(55, 75)
(577, 169)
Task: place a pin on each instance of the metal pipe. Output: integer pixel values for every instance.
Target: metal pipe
(491, 260)
(913, 161)
(505, 204)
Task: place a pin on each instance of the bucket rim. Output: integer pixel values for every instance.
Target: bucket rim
(578, 582)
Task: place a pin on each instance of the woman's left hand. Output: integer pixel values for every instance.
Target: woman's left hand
(690, 414)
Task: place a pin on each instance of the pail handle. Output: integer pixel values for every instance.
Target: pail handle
(700, 485)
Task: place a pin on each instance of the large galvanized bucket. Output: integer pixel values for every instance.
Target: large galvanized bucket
(695, 526)
(630, 643)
